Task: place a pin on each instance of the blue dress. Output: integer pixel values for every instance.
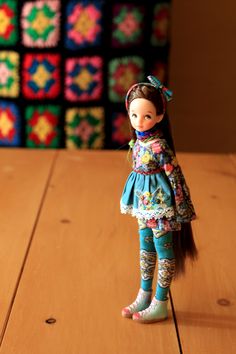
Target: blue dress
(155, 190)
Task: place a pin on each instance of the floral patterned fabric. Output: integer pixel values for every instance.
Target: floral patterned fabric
(156, 190)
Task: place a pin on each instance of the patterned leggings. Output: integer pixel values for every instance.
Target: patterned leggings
(155, 243)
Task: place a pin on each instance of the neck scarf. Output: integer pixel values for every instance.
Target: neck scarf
(150, 134)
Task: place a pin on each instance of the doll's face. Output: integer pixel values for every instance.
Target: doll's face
(143, 115)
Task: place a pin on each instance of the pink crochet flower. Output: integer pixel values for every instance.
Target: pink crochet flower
(129, 24)
(5, 73)
(84, 130)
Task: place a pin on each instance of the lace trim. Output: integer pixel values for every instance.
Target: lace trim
(147, 214)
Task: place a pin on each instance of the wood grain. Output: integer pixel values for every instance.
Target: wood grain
(23, 177)
(83, 268)
(205, 299)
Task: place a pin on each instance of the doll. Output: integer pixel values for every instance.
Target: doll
(157, 195)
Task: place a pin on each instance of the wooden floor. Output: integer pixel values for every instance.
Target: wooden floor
(69, 259)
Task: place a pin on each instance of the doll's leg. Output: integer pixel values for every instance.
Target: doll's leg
(166, 263)
(157, 310)
(147, 256)
(147, 268)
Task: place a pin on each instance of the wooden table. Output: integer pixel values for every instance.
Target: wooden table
(68, 256)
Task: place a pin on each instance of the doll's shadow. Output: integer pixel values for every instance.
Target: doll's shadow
(197, 319)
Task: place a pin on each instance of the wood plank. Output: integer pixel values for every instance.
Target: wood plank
(83, 268)
(205, 298)
(23, 176)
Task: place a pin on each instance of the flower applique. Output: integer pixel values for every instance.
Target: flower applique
(146, 158)
(152, 201)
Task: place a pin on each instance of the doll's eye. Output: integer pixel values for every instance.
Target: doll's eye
(147, 117)
(134, 115)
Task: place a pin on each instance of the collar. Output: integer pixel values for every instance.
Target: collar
(150, 134)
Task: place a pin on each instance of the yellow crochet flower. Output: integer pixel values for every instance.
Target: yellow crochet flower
(83, 79)
(42, 128)
(5, 22)
(41, 76)
(146, 158)
(40, 23)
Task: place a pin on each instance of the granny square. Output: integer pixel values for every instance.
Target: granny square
(83, 24)
(85, 128)
(160, 25)
(127, 25)
(40, 21)
(8, 22)
(9, 74)
(83, 81)
(10, 124)
(121, 133)
(159, 69)
(41, 76)
(124, 72)
(42, 130)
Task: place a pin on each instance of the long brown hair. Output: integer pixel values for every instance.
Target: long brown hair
(183, 241)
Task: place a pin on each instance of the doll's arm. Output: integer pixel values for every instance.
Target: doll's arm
(165, 157)
(168, 163)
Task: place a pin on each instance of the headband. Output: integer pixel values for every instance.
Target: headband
(166, 94)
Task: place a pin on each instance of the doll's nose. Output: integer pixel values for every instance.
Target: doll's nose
(139, 119)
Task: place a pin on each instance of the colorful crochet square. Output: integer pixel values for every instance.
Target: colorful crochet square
(159, 69)
(41, 77)
(85, 128)
(160, 25)
(8, 22)
(127, 25)
(124, 72)
(40, 22)
(83, 24)
(42, 128)
(121, 133)
(9, 74)
(83, 80)
(9, 124)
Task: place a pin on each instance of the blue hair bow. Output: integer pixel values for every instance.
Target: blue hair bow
(157, 83)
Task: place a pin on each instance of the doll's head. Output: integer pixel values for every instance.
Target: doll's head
(147, 91)
(145, 106)
(153, 97)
